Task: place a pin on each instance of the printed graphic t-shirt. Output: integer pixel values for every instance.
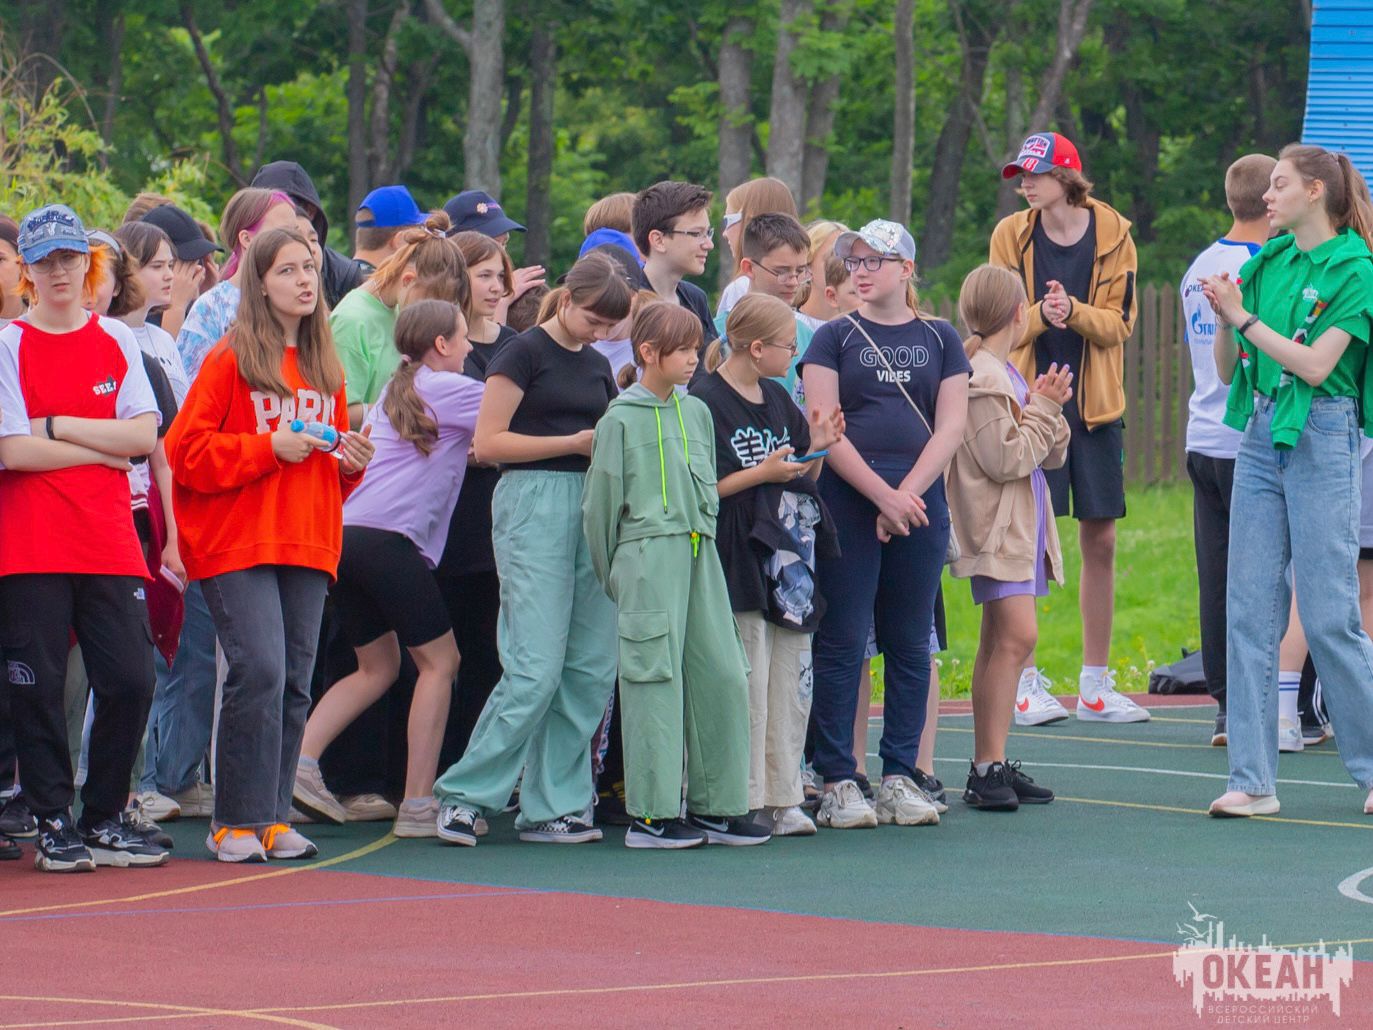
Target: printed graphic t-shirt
(73, 520)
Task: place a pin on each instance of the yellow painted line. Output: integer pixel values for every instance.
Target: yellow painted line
(366, 849)
(1201, 811)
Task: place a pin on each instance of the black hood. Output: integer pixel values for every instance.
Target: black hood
(294, 181)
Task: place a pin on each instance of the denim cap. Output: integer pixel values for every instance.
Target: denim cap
(51, 228)
(887, 238)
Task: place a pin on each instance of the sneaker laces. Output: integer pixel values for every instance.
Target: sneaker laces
(847, 794)
(1014, 773)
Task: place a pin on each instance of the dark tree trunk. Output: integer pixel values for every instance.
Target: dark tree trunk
(543, 80)
(484, 44)
(223, 107)
(358, 177)
(903, 125)
(113, 33)
(787, 121)
(734, 75)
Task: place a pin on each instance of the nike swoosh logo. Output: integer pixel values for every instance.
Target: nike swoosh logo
(718, 827)
(1023, 706)
(1097, 706)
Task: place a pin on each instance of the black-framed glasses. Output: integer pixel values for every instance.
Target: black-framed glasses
(695, 234)
(872, 264)
(799, 276)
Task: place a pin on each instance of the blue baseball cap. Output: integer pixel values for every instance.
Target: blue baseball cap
(476, 211)
(600, 237)
(392, 207)
(51, 228)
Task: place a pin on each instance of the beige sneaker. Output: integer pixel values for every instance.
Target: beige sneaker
(367, 808)
(315, 799)
(901, 802)
(418, 817)
(844, 808)
(231, 845)
(280, 841)
(790, 822)
(196, 802)
(157, 807)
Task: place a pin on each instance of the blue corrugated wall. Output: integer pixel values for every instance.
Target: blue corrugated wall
(1339, 93)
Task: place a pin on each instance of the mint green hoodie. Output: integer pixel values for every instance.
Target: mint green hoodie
(652, 474)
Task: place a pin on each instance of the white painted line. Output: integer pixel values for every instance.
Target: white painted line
(1349, 886)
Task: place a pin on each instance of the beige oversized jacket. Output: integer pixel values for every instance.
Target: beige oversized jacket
(991, 498)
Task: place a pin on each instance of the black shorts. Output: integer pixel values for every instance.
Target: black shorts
(384, 584)
(1094, 473)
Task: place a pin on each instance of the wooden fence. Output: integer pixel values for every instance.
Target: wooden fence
(1158, 383)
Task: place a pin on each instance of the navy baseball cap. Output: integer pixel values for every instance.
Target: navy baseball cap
(476, 211)
(48, 229)
(1042, 151)
(188, 242)
(391, 207)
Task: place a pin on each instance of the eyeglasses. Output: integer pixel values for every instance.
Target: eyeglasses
(799, 276)
(872, 264)
(695, 234)
(782, 346)
(66, 260)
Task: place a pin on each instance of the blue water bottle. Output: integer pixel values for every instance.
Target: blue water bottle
(319, 430)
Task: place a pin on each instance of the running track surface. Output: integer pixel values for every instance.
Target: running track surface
(1062, 916)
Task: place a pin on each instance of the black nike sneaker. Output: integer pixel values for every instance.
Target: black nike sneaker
(668, 834)
(736, 831)
(993, 791)
(1027, 790)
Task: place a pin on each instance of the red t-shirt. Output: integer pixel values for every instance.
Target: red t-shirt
(74, 520)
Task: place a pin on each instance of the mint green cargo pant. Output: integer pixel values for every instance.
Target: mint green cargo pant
(683, 679)
(556, 637)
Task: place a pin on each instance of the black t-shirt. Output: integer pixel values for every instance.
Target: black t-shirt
(921, 353)
(745, 434)
(565, 392)
(1071, 266)
(469, 531)
(694, 298)
(163, 394)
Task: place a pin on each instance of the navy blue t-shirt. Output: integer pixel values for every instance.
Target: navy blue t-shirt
(922, 353)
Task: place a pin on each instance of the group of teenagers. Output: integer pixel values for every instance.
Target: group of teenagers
(610, 557)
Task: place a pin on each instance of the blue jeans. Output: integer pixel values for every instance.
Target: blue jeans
(183, 711)
(894, 585)
(1301, 506)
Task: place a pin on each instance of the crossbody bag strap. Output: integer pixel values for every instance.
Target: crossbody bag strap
(895, 379)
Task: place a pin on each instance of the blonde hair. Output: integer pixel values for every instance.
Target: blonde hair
(612, 212)
(759, 197)
(417, 327)
(440, 270)
(755, 316)
(1346, 194)
(258, 339)
(822, 233)
(986, 303)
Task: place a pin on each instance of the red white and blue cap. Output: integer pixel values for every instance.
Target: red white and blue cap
(51, 228)
(1042, 151)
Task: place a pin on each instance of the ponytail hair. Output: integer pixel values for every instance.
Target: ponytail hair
(986, 303)
(418, 325)
(913, 299)
(440, 271)
(1346, 194)
(595, 283)
(755, 316)
(666, 327)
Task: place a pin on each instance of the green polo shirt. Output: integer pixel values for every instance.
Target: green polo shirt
(364, 334)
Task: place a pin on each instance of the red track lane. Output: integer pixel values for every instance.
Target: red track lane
(434, 954)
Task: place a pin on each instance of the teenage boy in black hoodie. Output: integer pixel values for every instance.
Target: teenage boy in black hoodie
(340, 273)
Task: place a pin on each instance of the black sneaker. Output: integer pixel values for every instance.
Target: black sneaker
(458, 825)
(59, 847)
(155, 834)
(934, 788)
(610, 806)
(863, 785)
(513, 805)
(1029, 792)
(566, 829)
(1219, 738)
(736, 831)
(670, 834)
(9, 850)
(16, 820)
(119, 842)
(992, 792)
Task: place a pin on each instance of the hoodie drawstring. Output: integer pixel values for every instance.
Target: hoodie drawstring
(662, 460)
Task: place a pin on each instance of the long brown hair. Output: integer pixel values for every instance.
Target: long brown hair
(258, 339)
(128, 293)
(437, 259)
(986, 303)
(1346, 194)
(417, 327)
(597, 284)
(755, 316)
(477, 247)
(758, 197)
(666, 327)
(243, 213)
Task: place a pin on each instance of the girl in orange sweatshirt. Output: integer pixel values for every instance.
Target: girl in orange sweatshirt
(259, 507)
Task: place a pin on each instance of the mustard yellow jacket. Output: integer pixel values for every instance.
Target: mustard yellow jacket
(1104, 320)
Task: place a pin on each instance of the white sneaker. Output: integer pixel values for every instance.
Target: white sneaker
(1098, 701)
(1034, 705)
(417, 817)
(1289, 735)
(367, 808)
(197, 801)
(235, 845)
(313, 797)
(157, 807)
(844, 808)
(790, 822)
(280, 841)
(900, 801)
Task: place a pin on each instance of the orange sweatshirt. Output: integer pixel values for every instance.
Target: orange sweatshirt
(236, 506)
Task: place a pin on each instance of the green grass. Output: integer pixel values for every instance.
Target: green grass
(1156, 601)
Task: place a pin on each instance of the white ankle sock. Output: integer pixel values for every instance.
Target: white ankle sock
(982, 768)
(1289, 684)
(308, 762)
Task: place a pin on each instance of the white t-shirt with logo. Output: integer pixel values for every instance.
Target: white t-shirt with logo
(1206, 432)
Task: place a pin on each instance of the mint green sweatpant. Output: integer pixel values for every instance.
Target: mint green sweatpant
(683, 680)
(556, 637)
